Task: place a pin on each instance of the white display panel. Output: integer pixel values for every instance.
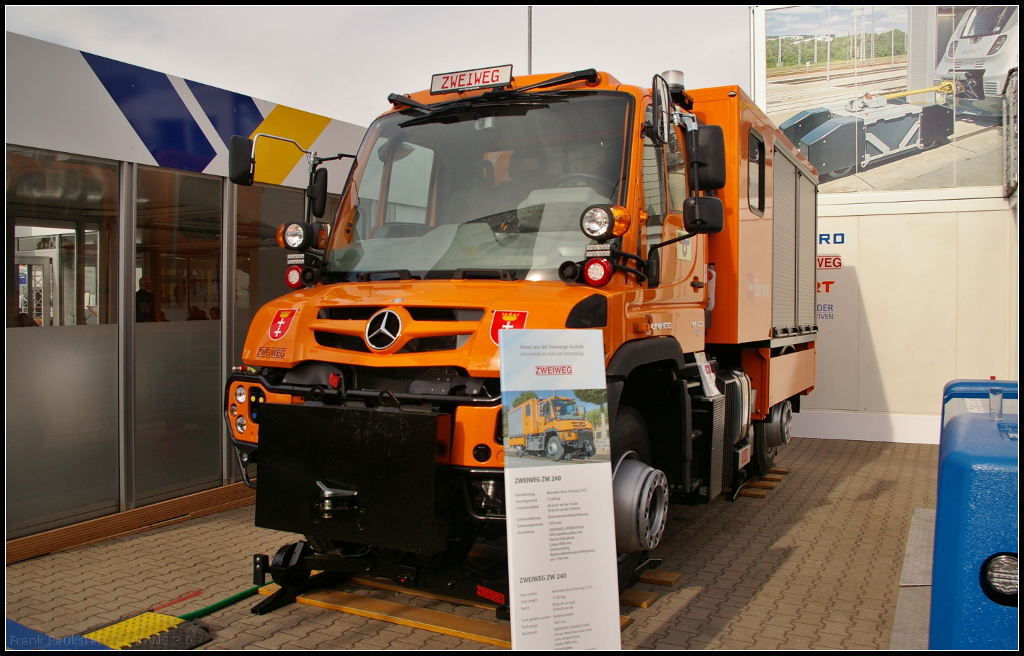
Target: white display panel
(563, 584)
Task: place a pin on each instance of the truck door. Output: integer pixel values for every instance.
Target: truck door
(665, 189)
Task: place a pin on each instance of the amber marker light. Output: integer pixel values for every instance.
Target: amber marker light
(280, 235)
(620, 216)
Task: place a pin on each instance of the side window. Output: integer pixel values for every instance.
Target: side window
(755, 172)
(368, 195)
(652, 172)
(676, 167)
(527, 411)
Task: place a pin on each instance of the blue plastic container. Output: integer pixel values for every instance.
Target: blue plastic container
(976, 517)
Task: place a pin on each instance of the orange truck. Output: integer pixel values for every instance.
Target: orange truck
(552, 427)
(679, 222)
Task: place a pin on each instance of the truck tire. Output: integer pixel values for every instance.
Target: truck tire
(769, 435)
(629, 433)
(555, 449)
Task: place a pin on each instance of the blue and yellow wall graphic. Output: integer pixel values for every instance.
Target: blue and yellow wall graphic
(71, 101)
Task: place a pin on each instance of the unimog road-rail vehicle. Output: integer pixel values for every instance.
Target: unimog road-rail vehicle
(551, 427)
(680, 223)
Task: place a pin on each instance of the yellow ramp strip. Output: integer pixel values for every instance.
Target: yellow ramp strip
(276, 159)
(420, 618)
(133, 629)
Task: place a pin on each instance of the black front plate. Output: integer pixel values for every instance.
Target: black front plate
(388, 457)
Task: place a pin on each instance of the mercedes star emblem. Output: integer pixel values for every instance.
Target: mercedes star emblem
(383, 329)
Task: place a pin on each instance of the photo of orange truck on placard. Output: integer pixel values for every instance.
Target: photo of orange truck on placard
(558, 426)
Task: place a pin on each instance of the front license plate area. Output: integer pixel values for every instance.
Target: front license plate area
(389, 458)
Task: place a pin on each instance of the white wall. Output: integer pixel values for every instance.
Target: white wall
(927, 293)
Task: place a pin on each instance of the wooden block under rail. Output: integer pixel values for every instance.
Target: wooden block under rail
(638, 598)
(499, 635)
(762, 485)
(624, 621)
(387, 584)
(778, 470)
(660, 577)
(756, 494)
(774, 478)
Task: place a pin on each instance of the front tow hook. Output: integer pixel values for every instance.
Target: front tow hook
(332, 499)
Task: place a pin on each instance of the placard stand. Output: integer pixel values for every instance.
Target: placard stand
(563, 582)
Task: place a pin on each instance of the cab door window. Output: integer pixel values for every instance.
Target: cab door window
(675, 165)
(652, 173)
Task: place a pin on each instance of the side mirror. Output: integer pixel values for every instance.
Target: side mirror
(317, 193)
(241, 163)
(661, 106)
(708, 154)
(703, 215)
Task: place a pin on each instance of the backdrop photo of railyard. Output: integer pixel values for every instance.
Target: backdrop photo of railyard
(839, 82)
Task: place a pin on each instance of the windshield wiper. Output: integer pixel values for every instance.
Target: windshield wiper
(449, 112)
(590, 75)
(396, 99)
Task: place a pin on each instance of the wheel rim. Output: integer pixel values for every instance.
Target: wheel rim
(640, 497)
(555, 450)
(653, 512)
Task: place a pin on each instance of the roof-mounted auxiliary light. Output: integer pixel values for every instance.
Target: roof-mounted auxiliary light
(295, 235)
(602, 222)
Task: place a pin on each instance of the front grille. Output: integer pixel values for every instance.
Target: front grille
(338, 341)
(348, 313)
(427, 344)
(445, 314)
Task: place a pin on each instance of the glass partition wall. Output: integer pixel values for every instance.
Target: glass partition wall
(177, 431)
(61, 339)
(104, 416)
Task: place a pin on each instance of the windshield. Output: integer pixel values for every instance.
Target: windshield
(493, 191)
(988, 21)
(564, 409)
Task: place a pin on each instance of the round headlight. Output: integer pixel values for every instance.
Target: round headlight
(240, 394)
(294, 235)
(240, 424)
(597, 222)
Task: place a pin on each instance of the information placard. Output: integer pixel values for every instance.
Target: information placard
(563, 583)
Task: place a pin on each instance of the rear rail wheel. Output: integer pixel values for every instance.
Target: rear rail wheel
(769, 435)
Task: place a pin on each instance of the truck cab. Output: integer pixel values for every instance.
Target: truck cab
(368, 400)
